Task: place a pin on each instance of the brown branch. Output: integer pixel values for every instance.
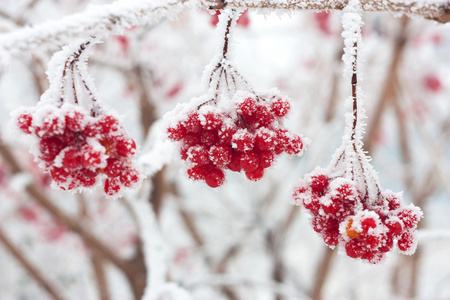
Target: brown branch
(321, 275)
(29, 267)
(431, 10)
(389, 87)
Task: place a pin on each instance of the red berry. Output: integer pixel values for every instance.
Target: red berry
(125, 147)
(394, 226)
(198, 172)
(266, 158)
(129, 177)
(91, 129)
(243, 140)
(256, 174)
(112, 186)
(52, 125)
(198, 155)
(85, 181)
(108, 124)
(294, 145)
(215, 178)
(262, 116)
(89, 172)
(192, 139)
(220, 155)
(226, 133)
(90, 157)
(408, 217)
(249, 161)
(50, 148)
(176, 133)
(209, 137)
(368, 223)
(319, 183)
(212, 121)
(24, 122)
(193, 124)
(406, 241)
(265, 139)
(114, 167)
(246, 107)
(71, 158)
(235, 162)
(280, 107)
(59, 175)
(74, 121)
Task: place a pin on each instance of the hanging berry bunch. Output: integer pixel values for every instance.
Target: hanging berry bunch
(231, 129)
(347, 205)
(79, 146)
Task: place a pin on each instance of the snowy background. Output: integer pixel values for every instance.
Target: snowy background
(243, 240)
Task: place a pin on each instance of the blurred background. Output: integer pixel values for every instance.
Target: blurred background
(243, 240)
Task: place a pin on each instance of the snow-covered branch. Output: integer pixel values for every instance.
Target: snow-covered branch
(99, 21)
(102, 20)
(437, 10)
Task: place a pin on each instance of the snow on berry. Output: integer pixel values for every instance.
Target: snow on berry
(79, 150)
(241, 136)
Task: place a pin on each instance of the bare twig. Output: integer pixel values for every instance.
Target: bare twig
(29, 267)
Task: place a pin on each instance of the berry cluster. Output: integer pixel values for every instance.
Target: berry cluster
(245, 137)
(366, 228)
(79, 150)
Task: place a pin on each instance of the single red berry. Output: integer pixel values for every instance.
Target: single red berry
(368, 223)
(243, 140)
(265, 139)
(432, 83)
(215, 178)
(408, 217)
(90, 172)
(294, 144)
(394, 226)
(249, 161)
(266, 158)
(112, 186)
(176, 133)
(198, 172)
(192, 139)
(246, 107)
(71, 158)
(85, 181)
(256, 174)
(52, 125)
(220, 155)
(209, 137)
(406, 241)
(243, 20)
(212, 121)
(235, 162)
(330, 237)
(114, 167)
(59, 175)
(262, 116)
(319, 183)
(90, 157)
(74, 121)
(50, 148)
(226, 133)
(24, 122)
(125, 147)
(129, 177)
(352, 249)
(91, 129)
(198, 155)
(280, 107)
(192, 123)
(333, 206)
(108, 124)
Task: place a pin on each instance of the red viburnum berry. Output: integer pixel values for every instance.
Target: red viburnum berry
(265, 139)
(243, 140)
(319, 183)
(215, 178)
(266, 158)
(74, 121)
(24, 122)
(125, 147)
(406, 241)
(49, 148)
(220, 155)
(193, 123)
(212, 121)
(129, 177)
(247, 107)
(256, 174)
(198, 172)
(108, 124)
(112, 186)
(235, 162)
(114, 167)
(280, 107)
(71, 158)
(176, 133)
(198, 155)
(249, 161)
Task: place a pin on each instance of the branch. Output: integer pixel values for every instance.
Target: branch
(32, 270)
(437, 10)
(99, 21)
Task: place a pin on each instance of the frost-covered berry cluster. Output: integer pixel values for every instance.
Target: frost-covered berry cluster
(341, 214)
(78, 150)
(245, 136)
